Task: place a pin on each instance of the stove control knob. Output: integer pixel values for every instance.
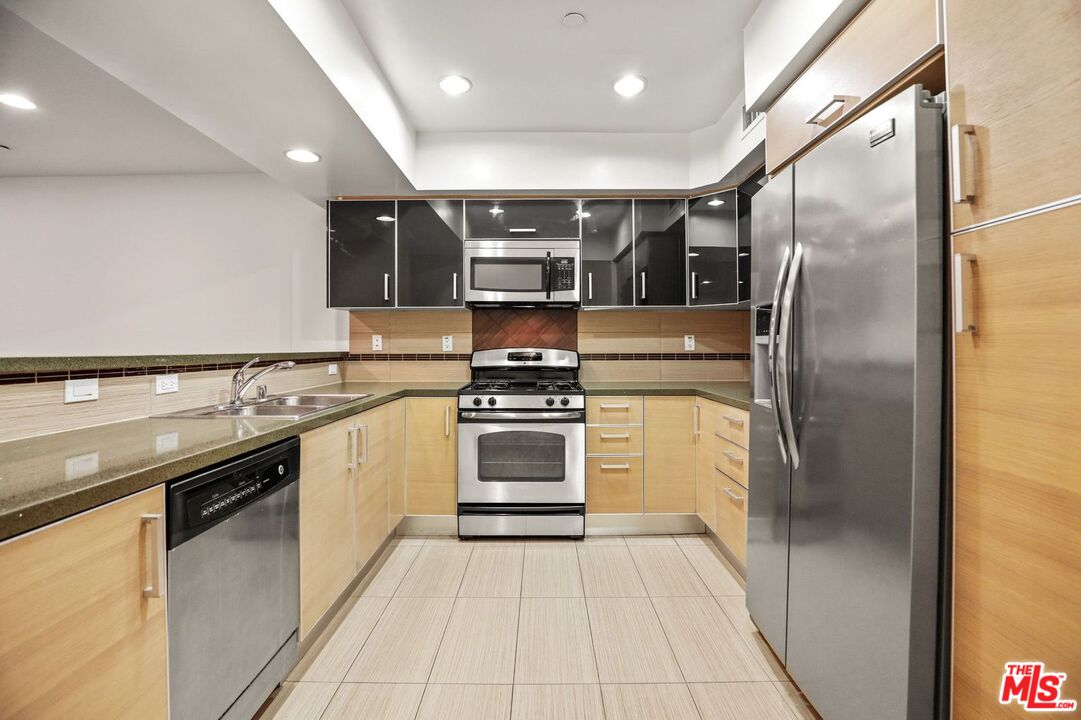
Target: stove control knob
(565, 402)
(550, 401)
(477, 401)
(491, 401)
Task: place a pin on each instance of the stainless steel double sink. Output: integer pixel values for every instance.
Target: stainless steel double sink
(286, 407)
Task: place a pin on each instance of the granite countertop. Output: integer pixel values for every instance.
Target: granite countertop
(50, 477)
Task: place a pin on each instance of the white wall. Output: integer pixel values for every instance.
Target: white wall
(713, 151)
(781, 39)
(551, 161)
(170, 264)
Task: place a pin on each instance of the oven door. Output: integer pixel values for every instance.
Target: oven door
(524, 458)
(505, 272)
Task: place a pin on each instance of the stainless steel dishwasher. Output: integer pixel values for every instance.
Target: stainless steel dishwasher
(234, 583)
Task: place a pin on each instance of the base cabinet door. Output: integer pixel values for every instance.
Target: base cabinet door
(396, 462)
(669, 455)
(1017, 493)
(732, 515)
(372, 493)
(327, 519)
(705, 495)
(431, 465)
(79, 638)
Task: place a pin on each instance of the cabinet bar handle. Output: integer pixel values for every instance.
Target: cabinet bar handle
(732, 457)
(734, 420)
(643, 276)
(964, 315)
(364, 458)
(386, 287)
(454, 287)
(589, 277)
(615, 406)
(694, 286)
(696, 418)
(815, 118)
(522, 230)
(614, 466)
(963, 163)
(446, 421)
(153, 527)
(735, 496)
(615, 436)
(353, 450)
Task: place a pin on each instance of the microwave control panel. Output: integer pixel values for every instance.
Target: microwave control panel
(563, 271)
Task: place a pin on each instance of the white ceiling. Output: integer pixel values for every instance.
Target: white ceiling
(530, 73)
(87, 121)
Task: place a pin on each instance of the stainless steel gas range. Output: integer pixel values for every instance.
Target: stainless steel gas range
(522, 445)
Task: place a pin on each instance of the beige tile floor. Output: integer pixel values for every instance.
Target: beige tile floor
(606, 629)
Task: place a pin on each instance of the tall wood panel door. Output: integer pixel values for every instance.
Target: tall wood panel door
(431, 456)
(396, 462)
(372, 494)
(1014, 77)
(327, 519)
(1017, 532)
(705, 483)
(78, 636)
(669, 455)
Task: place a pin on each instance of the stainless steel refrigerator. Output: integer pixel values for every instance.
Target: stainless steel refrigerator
(844, 536)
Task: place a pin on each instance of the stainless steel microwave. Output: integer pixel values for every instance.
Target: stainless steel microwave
(513, 272)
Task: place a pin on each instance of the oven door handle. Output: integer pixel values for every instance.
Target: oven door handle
(531, 416)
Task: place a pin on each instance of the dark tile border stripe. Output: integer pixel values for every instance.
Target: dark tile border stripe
(665, 356)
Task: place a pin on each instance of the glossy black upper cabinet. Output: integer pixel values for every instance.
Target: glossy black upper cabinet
(551, 219)
(430, 253)
(743, 229)
(660, 252)
(712, 234)
(607, 253)
(360, 254)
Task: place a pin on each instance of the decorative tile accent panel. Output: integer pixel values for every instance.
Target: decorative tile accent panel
(407, 357)
(665, 356)
(495, 328)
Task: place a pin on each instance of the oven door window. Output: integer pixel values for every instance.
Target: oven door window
(521, 456)
(509, 274)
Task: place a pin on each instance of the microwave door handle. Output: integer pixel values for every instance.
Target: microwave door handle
(548, 276)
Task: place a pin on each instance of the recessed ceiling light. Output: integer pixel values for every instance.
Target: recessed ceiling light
(17, 101)
(574, 19)
(629, 85)
(455, 84)
(715, 202)
(302, 156)
(496, 210)
(384, 218)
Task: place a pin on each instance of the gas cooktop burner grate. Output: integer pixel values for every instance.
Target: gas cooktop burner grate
(556, 386)
(490, 385)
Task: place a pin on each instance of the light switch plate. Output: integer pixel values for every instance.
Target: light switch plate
(377, 342)
(80, 390)
(688, 342)
(164, 384)
(448, 343)
(332, 369)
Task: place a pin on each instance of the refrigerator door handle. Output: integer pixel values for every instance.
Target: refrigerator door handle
(784, 402)
(771, 345)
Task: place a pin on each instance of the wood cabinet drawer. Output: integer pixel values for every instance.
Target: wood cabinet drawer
(733, 425)
(614, 440)
(706, 498)
(614, 485)
(625, 410)
(731, 459)
(732, 515)
(885, 40)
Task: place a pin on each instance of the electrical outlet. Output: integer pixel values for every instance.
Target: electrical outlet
(164, 384)
(332, 369)
(448, 343)
(377, 342)
(688, 343)
(80, 390)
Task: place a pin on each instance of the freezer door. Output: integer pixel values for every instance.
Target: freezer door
(767, 509)
(863, 570)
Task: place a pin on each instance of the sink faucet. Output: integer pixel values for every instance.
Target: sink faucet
(242, 383)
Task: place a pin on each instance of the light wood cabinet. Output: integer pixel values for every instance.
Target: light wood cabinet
(880, 45)
(616, 410)
(1017, 498)
(614, 484)
(372, 493)
(431, 434)
(705, 483)
(1013, 72)
(78, 636)
(732, 515)
(328, 552)
(614, 440)
(731, 459)
(733, 425)
(396, 462)
(669, 454)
